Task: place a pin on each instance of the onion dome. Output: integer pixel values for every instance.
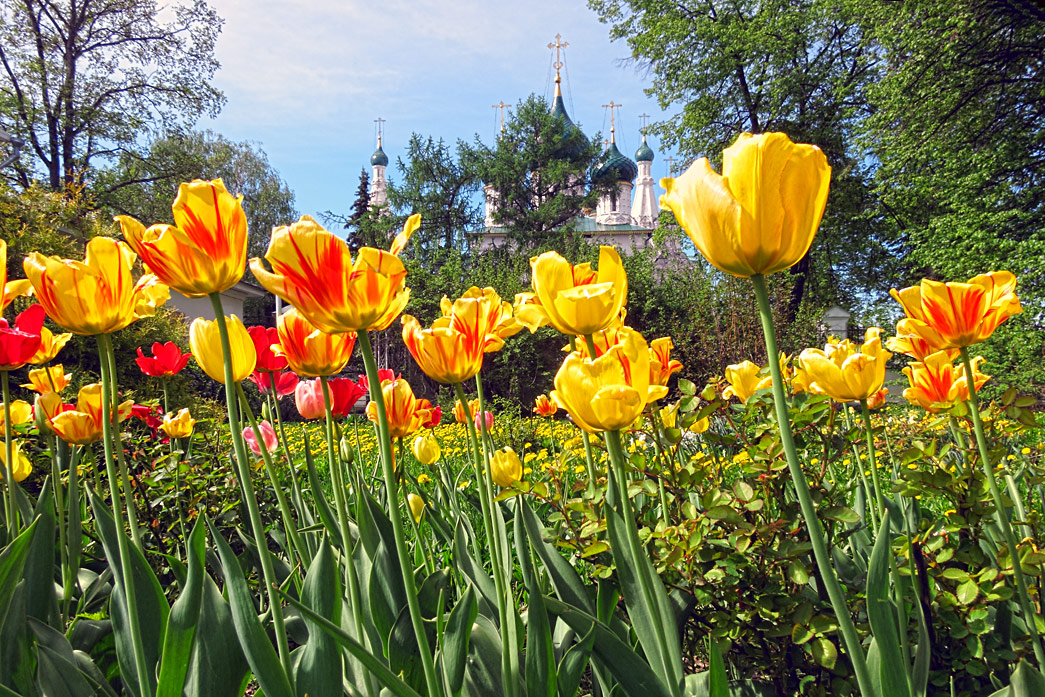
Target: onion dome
(616, 166)
(574, 142)
(379, 157)
(644, 153)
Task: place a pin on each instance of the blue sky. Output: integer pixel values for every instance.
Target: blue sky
(306, 80)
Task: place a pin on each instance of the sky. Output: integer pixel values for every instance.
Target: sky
(305, 80)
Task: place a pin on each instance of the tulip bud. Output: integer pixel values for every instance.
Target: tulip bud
(348, 454)
(488, 419)
(417, 506)
(426, 449)
(505, 468)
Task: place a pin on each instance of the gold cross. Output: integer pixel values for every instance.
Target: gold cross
(671, 165)
(502, 106)
(613, 128)
(558, 44)
(379, 121)
(645, 119)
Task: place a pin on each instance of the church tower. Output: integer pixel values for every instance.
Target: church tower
(378, 185)
(614, 208)
(646, 206)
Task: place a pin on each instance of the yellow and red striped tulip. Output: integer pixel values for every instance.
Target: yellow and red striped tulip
(313, 270)
(50, 379)
(97, 295)
(661, 366)
(460, 415)
(311, 352)
(936, 384)
(497, 316)
(406, 413)
(761, 214)
(50, 345)
(83, 425)
(954, 315)
(205, 251)
(543, 406)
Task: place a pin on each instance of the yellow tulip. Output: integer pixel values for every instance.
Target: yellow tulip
(21, 413)
(50, 379)
(83, 425)
(97, 295)
(426, 449)
(205, 344)
(669, 415)
(9, 290)
(460, 415)
(505, 468)
(610, 392)
(576, 300)
(50, 345)
(311, 352)
(417, 506)
(744, 380)
(179, 425)
(497, 316)
(20, 467)
(313, 270)
(844, 374)
(205, 251)
(661, 366)
(936, 384)
(953, 315)
(761, 214)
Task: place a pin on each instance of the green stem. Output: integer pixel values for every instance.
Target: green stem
(125, 480)
(874, 506)
(1001, 514)
(805, 500)
(11, 512)
(242, 461)
(74, 532)
(126, 576)
(59, 504)
(434, 686)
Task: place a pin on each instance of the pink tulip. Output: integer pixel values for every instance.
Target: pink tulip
(489, 420)
(308, 397)
(268, 435)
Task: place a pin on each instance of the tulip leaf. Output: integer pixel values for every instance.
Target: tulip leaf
(563, 576)
(456, 638)
(370, 662)
(261, 656)
(467, 564)
(57, 671)
(1025, 681)
(152, 608)
(322, 507)
(183, 620)
(895, 680)
(573, 663)
(540, 651)
(40, 599)
(628, 667)
(718, 680)
(320, 670)
(12, 562)
(218, 666)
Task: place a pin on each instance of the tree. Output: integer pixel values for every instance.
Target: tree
(772, 65)
(442, 188)
(81, 81)
(145, 186)
(539, 170)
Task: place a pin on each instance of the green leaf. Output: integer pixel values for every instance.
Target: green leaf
(322, 507)
(718, 681)
(57, 672)
(380, 671)
(893, 671)
(800, 634)
(260, 654)
(320, 670)
(1025, 681)
(563, 576)
(573, 663)
(218, 666)
(967, 592)
(12, 562)
(839, 513)
(456, 638)
(796, 571)
(824, 652)
(686, 387)
(540, 651)
(40, 599)
(184, 617)
(632, 671)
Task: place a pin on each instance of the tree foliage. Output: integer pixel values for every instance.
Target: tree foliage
(81, 81)
(145, 186)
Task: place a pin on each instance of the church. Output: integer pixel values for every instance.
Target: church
(625, 217)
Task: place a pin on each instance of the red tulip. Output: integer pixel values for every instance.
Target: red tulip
(19, 344)
(265, 338)
(167, 360)
(285, 382)
(436, 417)
(382, 375)
(344, 393)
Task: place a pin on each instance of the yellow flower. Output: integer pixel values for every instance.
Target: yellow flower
(460, 415)
(761, 214)
(405, 412)
(426, 449)
(21, 467)
(953, 315)
(83, 425)
(744, 380)
(505, 468)
(50, 379)
(417, 506)
(661, 366)
(842, 373)
(423, 479)
(669, 415)
(97, 295)
(179, 425)
(497, 316)
(309, 351)
(205, 251)
(21, 413)
(610, 392)
(50, 345)
(205, 344)
(313, 270)
(936, 384)
(9, 290)
(576, 300)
